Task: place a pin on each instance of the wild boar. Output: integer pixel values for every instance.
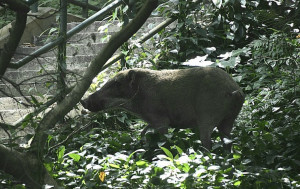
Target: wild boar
(197, 98)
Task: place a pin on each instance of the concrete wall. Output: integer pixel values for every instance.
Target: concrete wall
(36, 24)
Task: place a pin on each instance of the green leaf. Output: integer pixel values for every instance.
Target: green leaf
(60, 154)
(255, 133)
(129, 157)
(114, 166)
(217, 3)
(34, 100)
(19, 186)
(236, 156)
(49, 166)
(168, 153)
(52, 30)
(186, 167)
(237, 183)
(231, 63)
(141, 163)
(121, 119)
(125, 9)
(179, 150)
(115, 14)
(213, 168)
(75, 157)
(268, 137)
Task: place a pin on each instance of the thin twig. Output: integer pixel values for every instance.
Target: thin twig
(70, 135)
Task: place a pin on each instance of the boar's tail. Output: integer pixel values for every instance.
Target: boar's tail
(237, 98)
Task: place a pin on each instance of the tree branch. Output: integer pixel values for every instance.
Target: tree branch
(16, 5)
(24, 167)
(16, 33)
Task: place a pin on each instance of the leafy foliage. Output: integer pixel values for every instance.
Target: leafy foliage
(6, 16)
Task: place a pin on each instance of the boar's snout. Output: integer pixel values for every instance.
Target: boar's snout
(90, 105)
(84, 103)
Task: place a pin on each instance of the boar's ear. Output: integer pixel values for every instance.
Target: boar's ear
(132, 78)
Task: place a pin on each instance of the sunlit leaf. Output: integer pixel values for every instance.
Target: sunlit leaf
(217, 3)
(236, 156)
(114, 166)
(70, 174)
(237, 183)
(213, 168)
(48, 166)
(167, 152)
(179, 150)
(60, 154)
(75, 157)
(141, 163)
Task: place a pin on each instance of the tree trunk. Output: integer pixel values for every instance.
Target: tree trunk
(15, 35)
(24, 167)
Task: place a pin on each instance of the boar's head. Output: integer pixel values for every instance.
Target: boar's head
(116, 93)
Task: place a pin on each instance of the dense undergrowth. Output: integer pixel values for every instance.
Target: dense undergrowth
(265, 152)
(110, 153)
(265, 141)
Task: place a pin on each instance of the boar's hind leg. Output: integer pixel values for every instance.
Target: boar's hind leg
(205, 138)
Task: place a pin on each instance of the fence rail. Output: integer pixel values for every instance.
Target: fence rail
(78, 28)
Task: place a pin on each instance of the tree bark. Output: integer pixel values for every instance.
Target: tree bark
(24, 167)
(15, 35)
(16, 5)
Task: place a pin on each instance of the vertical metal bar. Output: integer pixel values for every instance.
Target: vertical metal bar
(85, 10)
(61, 59)
(125, 19)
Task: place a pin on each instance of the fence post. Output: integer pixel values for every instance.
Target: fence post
(125, 19)
(85, 10)
(61, 59)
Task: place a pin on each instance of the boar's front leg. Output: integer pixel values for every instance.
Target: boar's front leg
(161, 130)
(145, 130)
(159, 124)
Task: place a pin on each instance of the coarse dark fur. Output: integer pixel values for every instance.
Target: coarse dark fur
(198, 98)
